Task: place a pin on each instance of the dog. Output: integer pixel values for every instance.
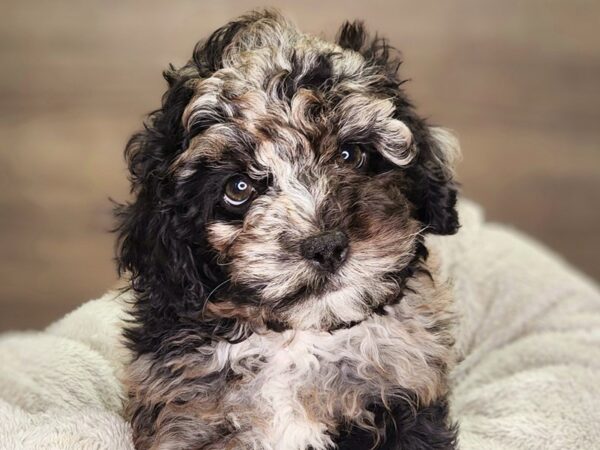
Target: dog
(284, 297)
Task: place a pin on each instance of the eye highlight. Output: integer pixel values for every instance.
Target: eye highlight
(238, 191)
(352, 155)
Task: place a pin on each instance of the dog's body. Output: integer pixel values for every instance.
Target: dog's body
(302, 389)
(284, 295)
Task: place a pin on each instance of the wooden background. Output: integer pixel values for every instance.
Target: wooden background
(519, 81)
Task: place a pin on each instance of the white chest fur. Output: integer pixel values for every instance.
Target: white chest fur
(292, 390)
(300, 384)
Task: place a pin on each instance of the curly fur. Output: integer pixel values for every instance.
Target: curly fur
(239, 341)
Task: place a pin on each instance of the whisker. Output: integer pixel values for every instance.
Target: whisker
(211, 293)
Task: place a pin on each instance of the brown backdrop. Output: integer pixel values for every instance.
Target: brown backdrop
(518, 81)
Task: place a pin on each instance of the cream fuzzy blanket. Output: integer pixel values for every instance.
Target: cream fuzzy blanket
(529, 342)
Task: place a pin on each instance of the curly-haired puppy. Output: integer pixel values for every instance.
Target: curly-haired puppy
(284, 297)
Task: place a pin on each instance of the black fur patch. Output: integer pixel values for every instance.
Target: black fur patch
(316, 77)
(403, 427)
(352, 36)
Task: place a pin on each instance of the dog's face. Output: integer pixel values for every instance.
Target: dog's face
(285, 181)
(307, 213)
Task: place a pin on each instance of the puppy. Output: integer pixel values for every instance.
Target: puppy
(284, 297)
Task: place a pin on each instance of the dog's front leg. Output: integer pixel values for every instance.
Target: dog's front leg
(404, 427)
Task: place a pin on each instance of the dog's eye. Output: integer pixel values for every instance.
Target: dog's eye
(238, 190)
(353, 155)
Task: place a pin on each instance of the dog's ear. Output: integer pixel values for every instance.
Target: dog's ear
(158, 246)
(433, 190)
(145, 234)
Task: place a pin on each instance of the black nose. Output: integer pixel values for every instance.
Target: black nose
(327, 250)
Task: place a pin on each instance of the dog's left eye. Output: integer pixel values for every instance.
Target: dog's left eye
(353, 155)
(238, 191)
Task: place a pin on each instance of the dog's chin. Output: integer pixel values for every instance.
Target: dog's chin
(321, 300)
(338, 305)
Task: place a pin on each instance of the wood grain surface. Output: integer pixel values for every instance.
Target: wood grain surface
(518, 81)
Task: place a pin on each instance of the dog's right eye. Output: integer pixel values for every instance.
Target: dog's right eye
(239, 190)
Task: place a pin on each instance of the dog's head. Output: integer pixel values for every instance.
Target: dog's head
(286, 181)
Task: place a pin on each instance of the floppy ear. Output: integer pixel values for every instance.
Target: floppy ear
(145, 237)
(153, 245)
(433, 189)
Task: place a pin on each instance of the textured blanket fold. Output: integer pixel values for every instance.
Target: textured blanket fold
(528, 341)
